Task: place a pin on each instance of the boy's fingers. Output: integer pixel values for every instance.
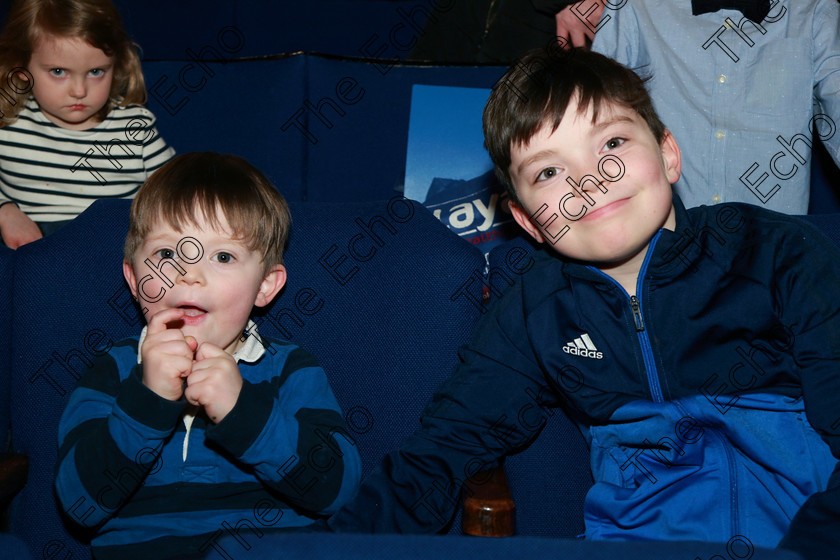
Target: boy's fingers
(195, 395)
(159, 320)
(191, 342)
(209, 350)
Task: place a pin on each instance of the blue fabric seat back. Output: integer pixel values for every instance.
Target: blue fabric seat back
(318, 119)
(6, 274)
(829, 224)
(373, 292)
(207, 108)
(69, 300)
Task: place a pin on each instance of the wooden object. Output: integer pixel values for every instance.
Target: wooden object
(14, 469)
(489, 510)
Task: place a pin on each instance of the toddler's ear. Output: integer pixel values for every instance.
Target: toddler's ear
(524, 220)
(271, 284)
(23, 77)
(131, 280)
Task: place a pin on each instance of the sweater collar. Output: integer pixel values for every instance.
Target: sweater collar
(251, 350)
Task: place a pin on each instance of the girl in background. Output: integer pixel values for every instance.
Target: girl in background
(72, 128)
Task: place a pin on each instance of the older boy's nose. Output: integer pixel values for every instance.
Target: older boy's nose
(587, 185)
(587, 168)
(591, 183)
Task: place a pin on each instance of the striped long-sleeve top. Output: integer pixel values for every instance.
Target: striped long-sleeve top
(54, 174)
(157, 479)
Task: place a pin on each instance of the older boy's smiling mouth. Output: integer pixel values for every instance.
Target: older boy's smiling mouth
(606, 209)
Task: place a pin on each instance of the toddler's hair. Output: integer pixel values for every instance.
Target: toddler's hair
(95, 21)
(537, 89)
(211, 183)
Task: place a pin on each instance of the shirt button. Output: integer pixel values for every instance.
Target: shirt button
(720, 134)
(722, 78)
(716, 198)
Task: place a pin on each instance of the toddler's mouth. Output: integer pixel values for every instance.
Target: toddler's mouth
(192, 310)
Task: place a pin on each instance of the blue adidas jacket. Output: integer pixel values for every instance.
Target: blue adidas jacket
(711, 399)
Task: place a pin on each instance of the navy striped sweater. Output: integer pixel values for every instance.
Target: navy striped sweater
(151, 485)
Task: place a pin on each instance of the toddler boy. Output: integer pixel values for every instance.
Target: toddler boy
(643, 320)
(195, 430)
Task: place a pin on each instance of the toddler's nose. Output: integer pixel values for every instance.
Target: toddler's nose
(193, 273)
(78, 88)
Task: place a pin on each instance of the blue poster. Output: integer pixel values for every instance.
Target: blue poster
(447, 168)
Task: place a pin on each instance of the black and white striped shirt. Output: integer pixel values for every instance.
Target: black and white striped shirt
(53, 173)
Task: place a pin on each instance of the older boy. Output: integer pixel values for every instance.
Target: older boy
(194, 430)
(710, 323)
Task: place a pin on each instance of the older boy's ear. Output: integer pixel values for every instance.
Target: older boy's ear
(524, 220)
(271, 284)
(671, 156)
(131, 280)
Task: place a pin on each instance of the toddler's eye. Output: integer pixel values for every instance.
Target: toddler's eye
(547, 173)
(613, 143)
(97, 72)
(57, 72)
(224, 258)
(165, 254)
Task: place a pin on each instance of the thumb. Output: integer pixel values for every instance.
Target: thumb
(208, 350)
(191, 342)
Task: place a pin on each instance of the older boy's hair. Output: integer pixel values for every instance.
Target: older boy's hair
(208, 182)
(537, 89)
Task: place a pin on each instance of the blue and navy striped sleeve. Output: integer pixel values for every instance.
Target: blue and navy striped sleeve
(109, 437)
(290, 429)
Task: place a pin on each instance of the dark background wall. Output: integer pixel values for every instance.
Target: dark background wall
(164, 29)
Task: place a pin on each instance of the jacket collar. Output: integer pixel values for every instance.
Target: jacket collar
(673, 252)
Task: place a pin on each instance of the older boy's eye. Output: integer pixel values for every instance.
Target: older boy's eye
(224, 258)
(547, 173)
(97, 72)
(613, 143)
(57, 72)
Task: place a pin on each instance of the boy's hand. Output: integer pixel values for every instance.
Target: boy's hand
(215, 381)
(16, 227)
(167, 355)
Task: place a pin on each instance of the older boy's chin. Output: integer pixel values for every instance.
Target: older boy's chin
(606, 253)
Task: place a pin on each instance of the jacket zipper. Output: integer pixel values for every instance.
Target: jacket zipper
(641, 332)
(656, 388)
(734, 506)
(644, 341)
(735, 522)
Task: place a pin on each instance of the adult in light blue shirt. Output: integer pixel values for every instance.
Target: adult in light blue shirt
(741, 98)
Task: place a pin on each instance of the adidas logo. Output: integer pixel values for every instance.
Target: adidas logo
(583, 346)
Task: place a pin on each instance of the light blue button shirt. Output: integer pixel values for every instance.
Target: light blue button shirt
(741, 99)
